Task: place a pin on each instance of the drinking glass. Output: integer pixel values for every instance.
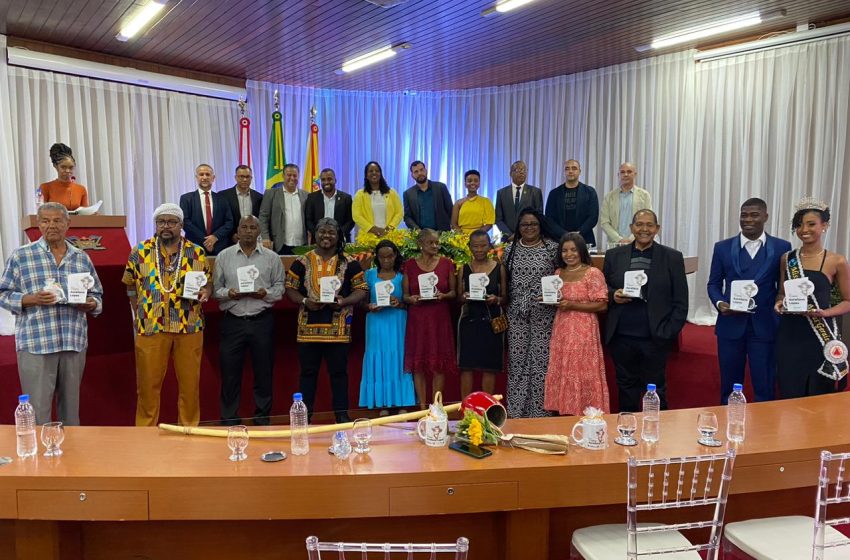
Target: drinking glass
(237, 441)
(52, 436)
(626, 426)
(707, 427)
(362, 432)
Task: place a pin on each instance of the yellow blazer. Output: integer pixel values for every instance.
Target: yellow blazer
(361, 210)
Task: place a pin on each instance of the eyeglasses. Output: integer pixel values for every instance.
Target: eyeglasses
(529, 225)
(167, 223)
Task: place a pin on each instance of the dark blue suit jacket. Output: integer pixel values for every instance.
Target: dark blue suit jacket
(193, 220)
(725, 268)
(587, 211)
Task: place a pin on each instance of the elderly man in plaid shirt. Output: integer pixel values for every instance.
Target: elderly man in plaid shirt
(51, 336)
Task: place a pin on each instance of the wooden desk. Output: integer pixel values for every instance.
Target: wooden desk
(189, 501)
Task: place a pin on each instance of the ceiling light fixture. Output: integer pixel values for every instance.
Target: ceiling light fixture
(372, 57)
(142, 18)
(505, 6)
(717, 28)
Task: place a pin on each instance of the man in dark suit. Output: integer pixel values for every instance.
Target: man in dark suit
(514, 198)
(640, 331)
(427, 204)
(328, 203)
(751, 255)
(573, 206)
(206, 215)
(282, 223)
(242, 199)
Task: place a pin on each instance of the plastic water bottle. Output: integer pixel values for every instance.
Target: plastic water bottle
(736, 414)
(300, 441)
(39, 198)
(341, 445)
(651, 431)
(25, 427)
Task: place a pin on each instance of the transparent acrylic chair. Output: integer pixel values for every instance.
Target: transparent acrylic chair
(798, 537)
(674, 483)
(361, 551)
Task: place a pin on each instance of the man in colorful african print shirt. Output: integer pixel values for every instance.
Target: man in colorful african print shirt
(324, 329)
(167, 324)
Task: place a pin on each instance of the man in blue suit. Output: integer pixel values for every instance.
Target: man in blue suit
(741, 336)
(573, 206)
(207, 219)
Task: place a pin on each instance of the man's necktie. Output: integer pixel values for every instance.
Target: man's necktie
(516, 197)
(208, 208)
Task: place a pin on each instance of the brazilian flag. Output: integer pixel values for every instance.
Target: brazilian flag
(277, 157)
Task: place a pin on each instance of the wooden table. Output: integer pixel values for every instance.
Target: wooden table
(179, 497)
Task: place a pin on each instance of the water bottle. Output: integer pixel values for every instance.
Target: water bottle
(25, 427)
(341, 445)
(300, 441)
(39, 198)
(651, 431)
(736, 417)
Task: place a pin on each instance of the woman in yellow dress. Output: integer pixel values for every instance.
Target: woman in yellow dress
(63, 189)
(376, 208)
(473, 212)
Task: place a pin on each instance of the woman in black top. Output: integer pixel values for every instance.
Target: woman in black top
(811, 359)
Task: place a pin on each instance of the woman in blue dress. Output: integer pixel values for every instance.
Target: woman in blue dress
(384, 383)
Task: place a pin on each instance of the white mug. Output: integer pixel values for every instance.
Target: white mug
(435, 433)
(594, 433)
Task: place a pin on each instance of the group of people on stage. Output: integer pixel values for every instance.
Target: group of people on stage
(554, 351)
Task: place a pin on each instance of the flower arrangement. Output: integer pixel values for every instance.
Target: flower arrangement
(477, 429)
(454, 245)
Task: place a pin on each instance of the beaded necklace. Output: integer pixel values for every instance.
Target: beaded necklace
(170, 268)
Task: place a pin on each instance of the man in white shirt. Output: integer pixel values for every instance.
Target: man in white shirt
(282, 220)
(620, 205)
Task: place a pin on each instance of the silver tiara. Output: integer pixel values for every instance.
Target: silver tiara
(811, 203)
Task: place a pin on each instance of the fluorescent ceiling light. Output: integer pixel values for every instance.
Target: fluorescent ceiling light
(137, 22)
(18, 56)
(694, 33)
(509, 5)
(777, 41)
(371, 58)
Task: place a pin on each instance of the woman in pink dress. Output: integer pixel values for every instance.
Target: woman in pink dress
(575, 378)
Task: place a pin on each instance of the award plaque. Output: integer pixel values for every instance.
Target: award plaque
(478, 282)
(550, 287)
(79, 285)
(428, 285)
(383, 290)
(741, 293)
(192, 284)
(797, 292)
(247, 277)
(328, 287)
(633, 283)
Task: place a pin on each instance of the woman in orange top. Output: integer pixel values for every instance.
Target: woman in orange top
(63, 189)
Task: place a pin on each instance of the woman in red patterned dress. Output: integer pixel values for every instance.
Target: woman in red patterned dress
(575, 378)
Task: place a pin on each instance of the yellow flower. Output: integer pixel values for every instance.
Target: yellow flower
(475, 432)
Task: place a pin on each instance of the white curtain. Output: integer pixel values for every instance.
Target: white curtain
(135, 147)
(704, 137)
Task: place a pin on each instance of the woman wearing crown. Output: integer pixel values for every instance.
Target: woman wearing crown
(811, 359)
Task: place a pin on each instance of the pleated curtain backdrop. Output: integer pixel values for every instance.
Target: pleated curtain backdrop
(704, 137)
